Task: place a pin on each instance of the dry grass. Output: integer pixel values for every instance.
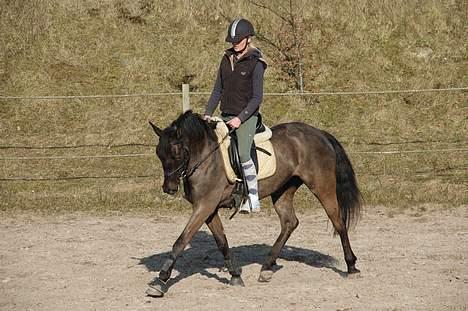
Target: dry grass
(119, 46)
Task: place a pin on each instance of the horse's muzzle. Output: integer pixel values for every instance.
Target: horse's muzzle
(170, 191)
(170, 188)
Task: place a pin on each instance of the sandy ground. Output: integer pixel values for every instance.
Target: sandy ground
(411, 260)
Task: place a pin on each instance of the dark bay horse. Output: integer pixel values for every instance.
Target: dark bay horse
(305, 155)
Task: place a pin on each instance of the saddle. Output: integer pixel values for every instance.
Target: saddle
(261, 135)
(263, 154)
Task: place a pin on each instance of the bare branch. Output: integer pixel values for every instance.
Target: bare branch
(290, 56)
(270, 42)
(227, 18)
(260, 5)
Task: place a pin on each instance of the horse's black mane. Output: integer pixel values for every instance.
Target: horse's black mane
(192, 128)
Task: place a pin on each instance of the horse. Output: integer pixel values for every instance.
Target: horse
(189, 150)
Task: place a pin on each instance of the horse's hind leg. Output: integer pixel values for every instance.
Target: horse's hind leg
(216, 227)
(330, 204)
(283, 203)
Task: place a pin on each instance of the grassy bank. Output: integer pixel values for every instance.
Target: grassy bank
(119, 47)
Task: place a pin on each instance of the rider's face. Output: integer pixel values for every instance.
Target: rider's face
(239, 46)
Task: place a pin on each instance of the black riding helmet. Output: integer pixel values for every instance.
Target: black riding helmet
(239, 29)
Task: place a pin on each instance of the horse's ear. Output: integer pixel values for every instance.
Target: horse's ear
(156, 129)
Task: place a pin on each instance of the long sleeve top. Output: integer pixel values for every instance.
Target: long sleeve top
(254, 101)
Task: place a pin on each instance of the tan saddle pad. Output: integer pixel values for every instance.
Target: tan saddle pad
(266, 163)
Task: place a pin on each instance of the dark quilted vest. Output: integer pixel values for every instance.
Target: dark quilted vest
(237, 83)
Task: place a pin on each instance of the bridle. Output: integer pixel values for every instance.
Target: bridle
(183, 167)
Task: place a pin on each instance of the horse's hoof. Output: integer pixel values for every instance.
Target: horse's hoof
(154, 292)
(265, 276)
(237, 281)
(157, 288)
(353, 272)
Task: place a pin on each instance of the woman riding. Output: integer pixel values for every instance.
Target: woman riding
(239, 87)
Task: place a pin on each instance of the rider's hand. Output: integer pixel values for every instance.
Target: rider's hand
(206, 117)
(234, 123)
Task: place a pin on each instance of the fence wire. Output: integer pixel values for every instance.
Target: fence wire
(133, 155)
(323, 93)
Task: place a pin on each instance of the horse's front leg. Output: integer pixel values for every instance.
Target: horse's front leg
(216, 226)
(158, 287)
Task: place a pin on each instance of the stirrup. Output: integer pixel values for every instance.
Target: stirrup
(245, 207)
(250, 205)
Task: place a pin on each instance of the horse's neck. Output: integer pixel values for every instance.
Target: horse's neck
(201, 149)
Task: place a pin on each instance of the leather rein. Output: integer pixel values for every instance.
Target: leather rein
(182, 168)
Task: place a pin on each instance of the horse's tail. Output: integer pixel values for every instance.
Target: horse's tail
(347, 191)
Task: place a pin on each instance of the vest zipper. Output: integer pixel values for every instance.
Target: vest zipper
(231, 60)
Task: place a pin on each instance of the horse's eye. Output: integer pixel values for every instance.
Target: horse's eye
(176, 152)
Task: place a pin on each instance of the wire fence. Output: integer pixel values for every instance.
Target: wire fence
(418, 174)
(72, 178)
(185, 93)
(181, 93)
(137, 155)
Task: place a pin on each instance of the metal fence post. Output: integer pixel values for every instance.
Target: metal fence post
(185, 97)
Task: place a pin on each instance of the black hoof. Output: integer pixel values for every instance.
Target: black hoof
(237, 281)
(353, 270)
(157, 288)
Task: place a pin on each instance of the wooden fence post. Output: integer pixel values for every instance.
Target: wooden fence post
(185, 97)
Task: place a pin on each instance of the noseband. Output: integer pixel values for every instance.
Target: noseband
(182, 168)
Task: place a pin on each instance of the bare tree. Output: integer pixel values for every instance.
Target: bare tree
(287, 40)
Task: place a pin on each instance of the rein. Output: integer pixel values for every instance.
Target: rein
(180, 167)
(183, 167)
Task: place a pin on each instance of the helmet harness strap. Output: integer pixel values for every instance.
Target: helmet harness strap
(245, 47)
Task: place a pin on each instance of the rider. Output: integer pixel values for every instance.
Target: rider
(239, 87)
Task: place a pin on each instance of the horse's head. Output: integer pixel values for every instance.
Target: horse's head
(182, 141)
(173, 155)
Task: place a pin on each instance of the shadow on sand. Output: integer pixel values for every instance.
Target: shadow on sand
(202, 254)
